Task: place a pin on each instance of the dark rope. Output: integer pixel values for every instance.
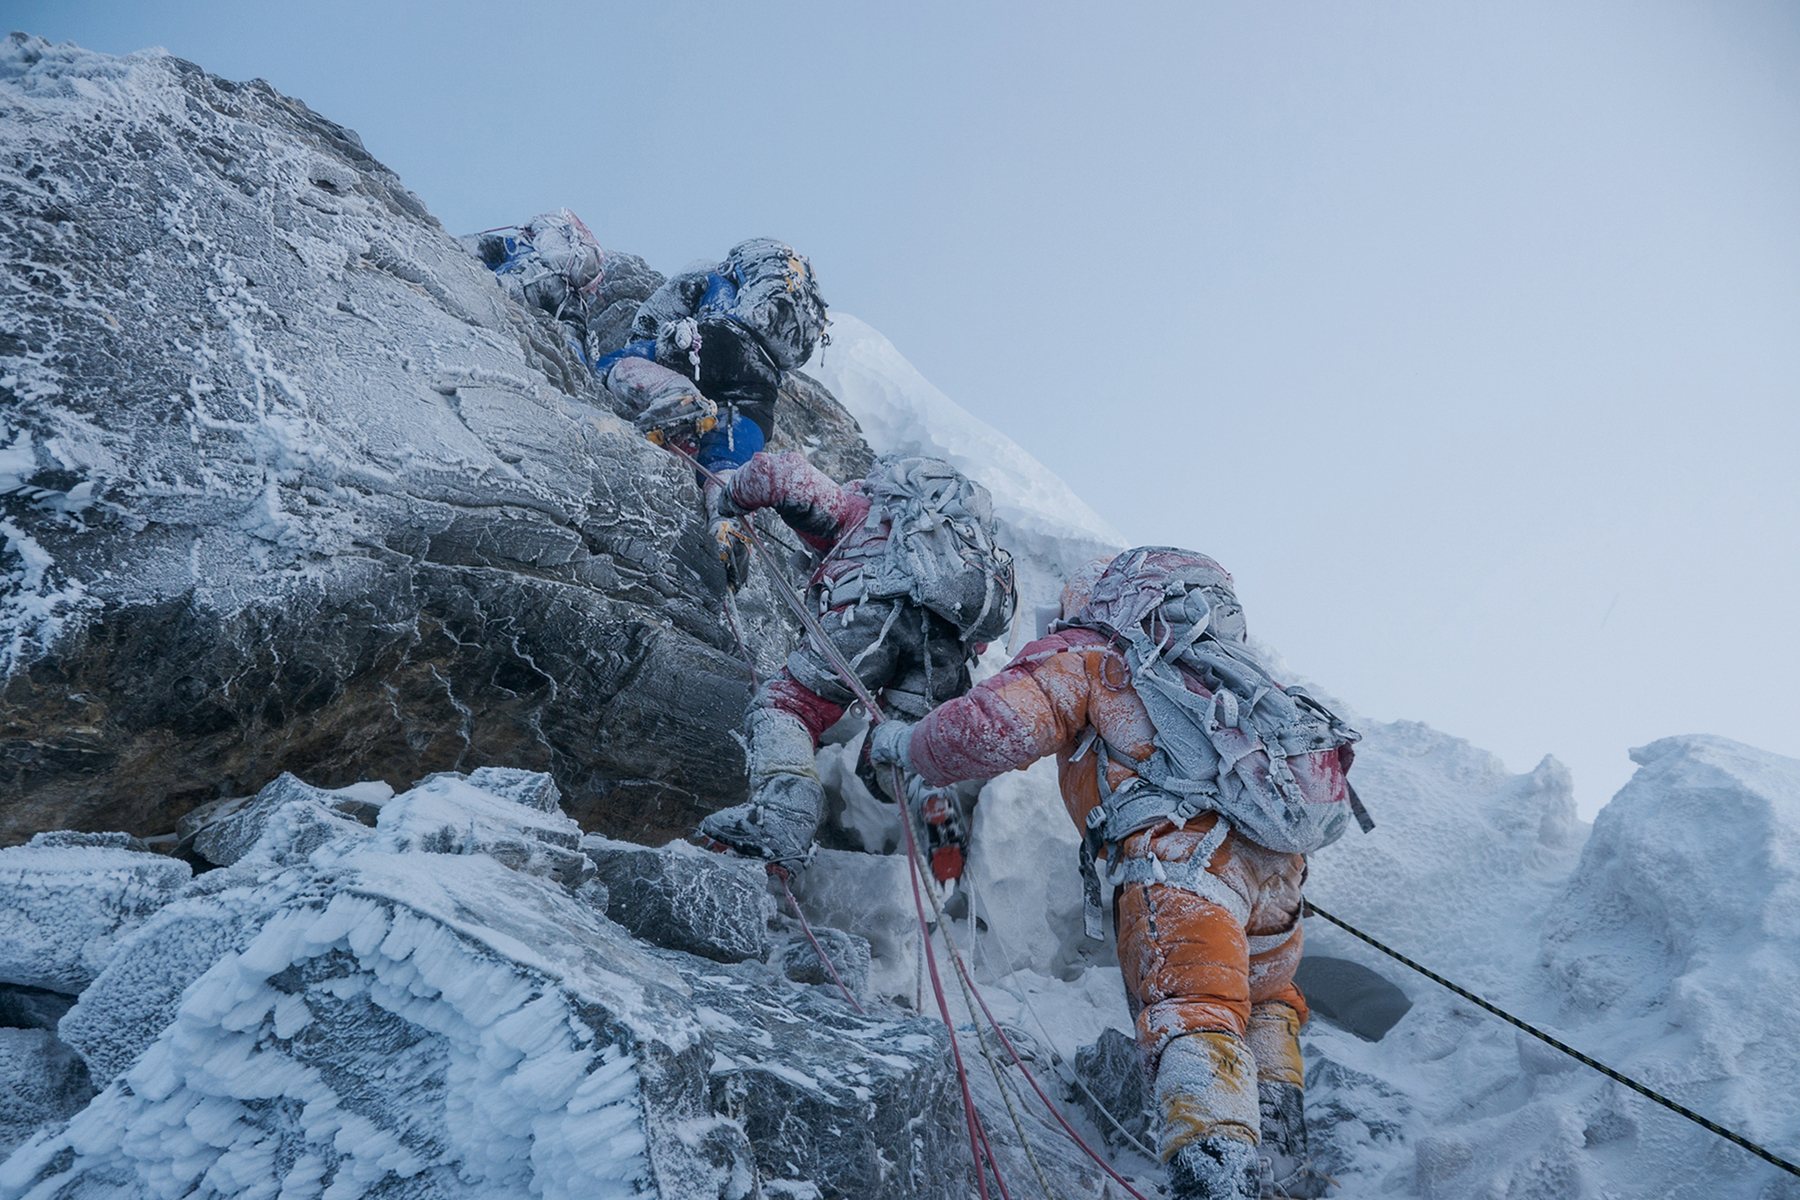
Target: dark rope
(1737, 1139)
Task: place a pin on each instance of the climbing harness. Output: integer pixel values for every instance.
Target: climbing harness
(1737, 1139)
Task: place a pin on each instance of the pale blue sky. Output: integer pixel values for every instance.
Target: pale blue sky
(1466, 335)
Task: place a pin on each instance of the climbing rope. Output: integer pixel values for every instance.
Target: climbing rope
(978, 1147)
(781, 873)
(1001, 1084)
(1737, 1139)
(1065, 1071)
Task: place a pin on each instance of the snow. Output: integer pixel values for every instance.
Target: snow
(428, 999)
(1663, 942)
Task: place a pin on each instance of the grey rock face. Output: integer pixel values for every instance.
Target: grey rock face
(863, 1107)
(65, 904)
(699, 903)
(1112, 1071)
(849, 955)
(289, 483)
(41, 1080)
(809, 418)
(628, 282)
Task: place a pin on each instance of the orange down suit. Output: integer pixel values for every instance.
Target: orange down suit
(1216, 961)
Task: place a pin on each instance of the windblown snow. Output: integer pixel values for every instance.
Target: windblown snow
(429, 994)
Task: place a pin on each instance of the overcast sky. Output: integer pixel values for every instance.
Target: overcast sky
(1466, 335)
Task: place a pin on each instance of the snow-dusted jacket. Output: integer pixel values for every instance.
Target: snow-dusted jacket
(821, 510)
(915, 529)
(1046, 701)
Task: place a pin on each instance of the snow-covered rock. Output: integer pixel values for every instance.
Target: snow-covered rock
(682, 898)
(226, 831)
(398, 1011)
(1115, 1089)
(834, 1104)
(41, 1081)
(287, 482)
(66, 901)
(847, 954)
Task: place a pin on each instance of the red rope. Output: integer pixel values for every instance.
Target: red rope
(780, 872)
(992, 1161)
(977, 1135)
(1030, 1078)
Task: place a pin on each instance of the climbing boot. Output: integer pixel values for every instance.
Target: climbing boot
(1287, 1169)
(786, 797)
(1218, 1167)
(1206, 1101)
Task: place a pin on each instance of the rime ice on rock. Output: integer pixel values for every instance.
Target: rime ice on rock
(272, 437)
(1112, 1073)
(685, 899)
(435, 1023)
(66, 900)
(41, 1081)
(310, 816)
(849, 1105)
(511, 816)
(848, 954)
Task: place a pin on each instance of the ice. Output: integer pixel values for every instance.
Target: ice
(64, 907)
(415, 995)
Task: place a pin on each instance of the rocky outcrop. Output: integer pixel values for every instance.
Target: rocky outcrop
(41, 1080)
(427, 1007)
(287, 483)
(684, 898)
(68, 900)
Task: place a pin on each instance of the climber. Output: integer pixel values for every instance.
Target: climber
(707, 355)
(910, 590)
(553, 263)
(1199, 784)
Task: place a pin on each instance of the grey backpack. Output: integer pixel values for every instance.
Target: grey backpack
(777, 299)
(939, 551)
(1265, 757)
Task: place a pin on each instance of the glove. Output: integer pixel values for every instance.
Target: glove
(888, 743)
(733, 549)
(677, 416)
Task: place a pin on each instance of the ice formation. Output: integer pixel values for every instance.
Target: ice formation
(423, 994)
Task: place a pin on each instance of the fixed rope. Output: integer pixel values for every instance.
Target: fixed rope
(781, 873)
(1735, 1138)
(1066, 1072)
(978, 1146)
